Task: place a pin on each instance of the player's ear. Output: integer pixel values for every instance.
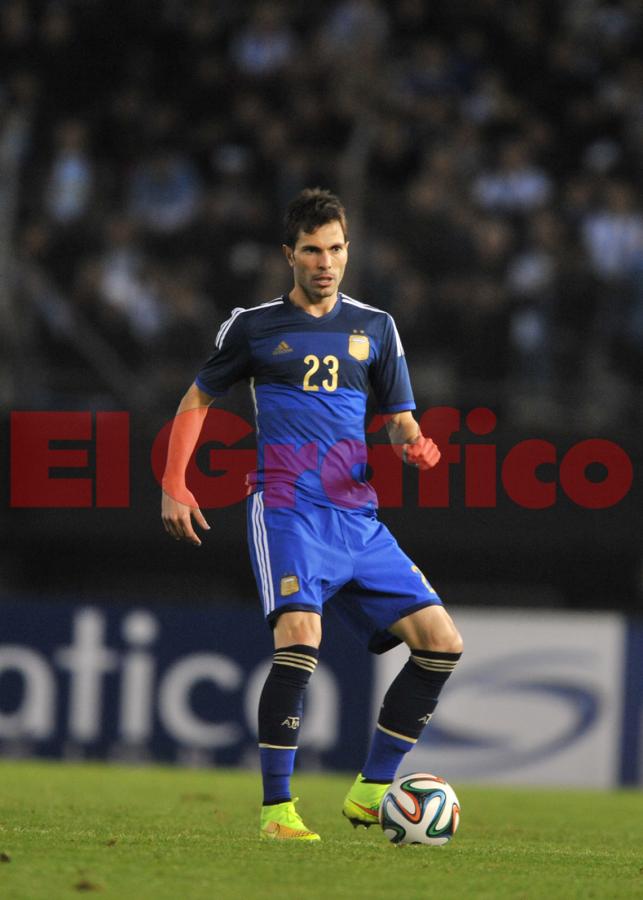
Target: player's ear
(288, 253)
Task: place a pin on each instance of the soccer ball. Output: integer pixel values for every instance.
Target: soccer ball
(420, 809)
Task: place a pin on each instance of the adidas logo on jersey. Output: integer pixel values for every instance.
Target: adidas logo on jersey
(282, 347)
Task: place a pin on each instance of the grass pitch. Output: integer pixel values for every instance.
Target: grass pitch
(171, 834)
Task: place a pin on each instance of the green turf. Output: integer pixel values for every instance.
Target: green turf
(173, 834)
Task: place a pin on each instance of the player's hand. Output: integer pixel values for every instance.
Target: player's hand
(177, 516)
(422, 453)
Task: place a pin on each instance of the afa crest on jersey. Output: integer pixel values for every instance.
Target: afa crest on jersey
(289, 585)
(359, 346)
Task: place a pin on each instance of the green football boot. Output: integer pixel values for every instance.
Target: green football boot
(362, 802)
(283, 822)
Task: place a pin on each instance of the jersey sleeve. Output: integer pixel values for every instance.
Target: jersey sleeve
(230, 359)
(389, 373)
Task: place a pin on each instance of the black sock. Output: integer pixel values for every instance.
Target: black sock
(408, 706)
(280, 711)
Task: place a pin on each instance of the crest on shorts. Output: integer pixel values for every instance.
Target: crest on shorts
(359, 346)
(289, 585)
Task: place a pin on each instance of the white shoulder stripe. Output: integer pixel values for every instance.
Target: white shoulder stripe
(398, 342)
(363, 305)
(274, 302)
(225, 327)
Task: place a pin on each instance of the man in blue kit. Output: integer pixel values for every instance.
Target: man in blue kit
(310, 357)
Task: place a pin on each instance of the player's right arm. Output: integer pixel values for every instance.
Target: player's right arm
(178, 505)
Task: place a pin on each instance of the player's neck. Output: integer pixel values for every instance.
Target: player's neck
(313, 307)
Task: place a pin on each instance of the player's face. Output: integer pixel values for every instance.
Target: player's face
(318, 261)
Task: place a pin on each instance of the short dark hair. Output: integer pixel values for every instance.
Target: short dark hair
(310, 209)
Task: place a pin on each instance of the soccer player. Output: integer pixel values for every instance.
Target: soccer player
(310, 357)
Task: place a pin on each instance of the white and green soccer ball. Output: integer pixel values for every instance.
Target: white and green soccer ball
(420, 809)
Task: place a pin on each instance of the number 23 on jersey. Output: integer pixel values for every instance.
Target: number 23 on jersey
(329, 374)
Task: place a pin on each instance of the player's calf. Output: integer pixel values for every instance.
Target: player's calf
(280, 714)
(407, 708)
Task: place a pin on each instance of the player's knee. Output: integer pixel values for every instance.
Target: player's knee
(445, 638)
(453, 643)
(298, 628)
(430, 629)
(446, 641)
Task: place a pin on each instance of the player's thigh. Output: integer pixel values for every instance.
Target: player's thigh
(392, 585)
(289, 557)
(429, 628)
(297, 627)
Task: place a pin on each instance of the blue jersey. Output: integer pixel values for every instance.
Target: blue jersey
(310, 379)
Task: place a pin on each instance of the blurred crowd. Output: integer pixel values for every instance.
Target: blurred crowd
(490, 155)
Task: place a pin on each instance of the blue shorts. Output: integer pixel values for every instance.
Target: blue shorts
(309, 555)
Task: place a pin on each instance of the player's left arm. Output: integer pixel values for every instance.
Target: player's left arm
(407, 439)
(390, 379)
